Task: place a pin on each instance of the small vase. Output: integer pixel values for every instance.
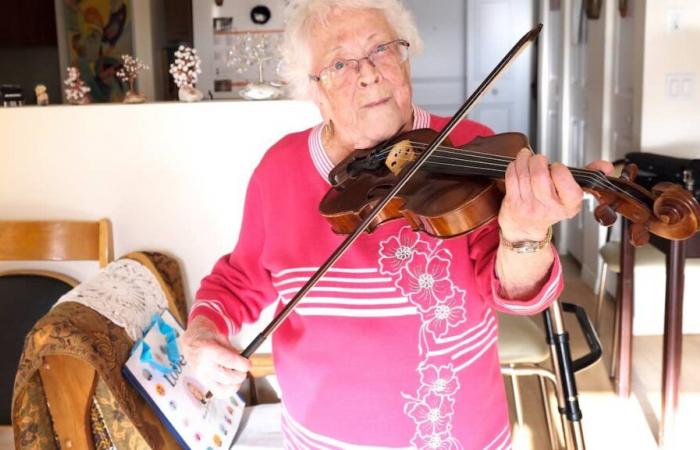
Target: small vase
(188, 93)
(134, 97)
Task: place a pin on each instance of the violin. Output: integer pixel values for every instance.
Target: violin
(460, 188)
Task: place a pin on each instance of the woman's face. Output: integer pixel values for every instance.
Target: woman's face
(374, 103)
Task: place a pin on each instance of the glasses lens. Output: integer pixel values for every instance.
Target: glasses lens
(339, 72)
(390, 54)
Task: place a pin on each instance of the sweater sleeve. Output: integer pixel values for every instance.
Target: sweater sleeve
(483, 246)
(239, 286)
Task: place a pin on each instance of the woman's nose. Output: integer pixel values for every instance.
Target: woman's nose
(368, 72)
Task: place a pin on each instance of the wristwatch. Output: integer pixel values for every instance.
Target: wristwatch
(526, 246)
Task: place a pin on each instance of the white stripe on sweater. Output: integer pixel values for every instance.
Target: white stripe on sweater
(479, 331)
(351, 301)
(498, 440)
(477, 345)
(293, 291)
(216, 307)
(487, 315)
(331, 270)
(349, 312)
(478, 355)
(546, 296)
(299, 439)
(334, 279)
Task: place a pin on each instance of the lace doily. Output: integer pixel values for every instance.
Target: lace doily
(125, 292)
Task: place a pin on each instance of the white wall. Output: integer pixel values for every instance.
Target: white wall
(657, 124)
(170, 176)
(214, 49)
(670, 125)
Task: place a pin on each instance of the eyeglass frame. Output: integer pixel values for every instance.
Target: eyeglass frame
(405, 43)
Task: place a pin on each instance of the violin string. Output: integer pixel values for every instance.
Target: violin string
(595, 178)
(496, 170)
(590, 176)
(459, 152)
(583, 172)
(499, 171)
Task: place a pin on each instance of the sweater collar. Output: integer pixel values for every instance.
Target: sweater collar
(323, 164)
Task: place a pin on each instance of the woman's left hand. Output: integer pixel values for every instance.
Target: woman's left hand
(539, 195)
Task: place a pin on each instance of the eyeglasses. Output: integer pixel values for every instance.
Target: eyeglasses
(383, 56)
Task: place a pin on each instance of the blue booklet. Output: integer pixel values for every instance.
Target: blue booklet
(159, 372)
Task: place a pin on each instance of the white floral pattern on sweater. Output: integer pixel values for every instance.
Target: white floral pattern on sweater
(421, 272)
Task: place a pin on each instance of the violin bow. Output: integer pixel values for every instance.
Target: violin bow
(517, 49)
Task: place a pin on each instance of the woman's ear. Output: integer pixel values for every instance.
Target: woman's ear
(319, 98)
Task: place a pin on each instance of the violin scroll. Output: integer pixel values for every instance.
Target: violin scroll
(668, 210)
(675, 210)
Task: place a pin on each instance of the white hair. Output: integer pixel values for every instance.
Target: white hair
(302, 14)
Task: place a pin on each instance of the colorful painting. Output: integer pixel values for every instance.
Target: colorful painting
(97, 33)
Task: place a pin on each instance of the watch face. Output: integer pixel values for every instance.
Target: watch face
(260, 14)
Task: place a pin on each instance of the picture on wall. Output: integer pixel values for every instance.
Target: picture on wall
(96, 34)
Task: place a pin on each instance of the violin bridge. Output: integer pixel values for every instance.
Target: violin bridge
(401, 154)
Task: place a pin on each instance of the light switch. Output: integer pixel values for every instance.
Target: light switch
(680, 86)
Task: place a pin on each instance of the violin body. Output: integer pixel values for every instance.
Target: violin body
(460, 188)
(441, 204)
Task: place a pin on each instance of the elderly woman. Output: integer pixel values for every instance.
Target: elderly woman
(396, 345)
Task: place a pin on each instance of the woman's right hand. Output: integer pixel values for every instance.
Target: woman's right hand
(215, 362)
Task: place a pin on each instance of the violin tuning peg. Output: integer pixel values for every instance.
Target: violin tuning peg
(605, 215)
(629, 172)
(638, 235)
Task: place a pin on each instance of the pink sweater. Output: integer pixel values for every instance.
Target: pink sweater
(396, 345)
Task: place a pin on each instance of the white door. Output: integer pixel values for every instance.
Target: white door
(438, 75)
(549, 80)
(577, 117)
(622, 105)
(464, 40)
(493, 26)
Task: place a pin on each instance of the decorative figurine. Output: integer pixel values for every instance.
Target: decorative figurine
(131, 66)
(42, 97)
(184, 71)
(77, 93)
(256, 50)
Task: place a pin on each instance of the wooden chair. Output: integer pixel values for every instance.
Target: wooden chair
(645, 256)
(56, 241)
(36, 290)
(70, 391)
